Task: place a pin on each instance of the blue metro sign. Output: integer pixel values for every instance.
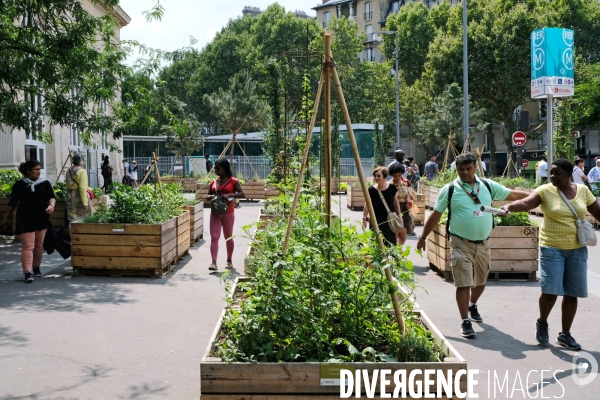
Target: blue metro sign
(552, 62)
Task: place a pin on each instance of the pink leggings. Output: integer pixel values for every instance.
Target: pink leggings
(217, 222)
(32, 248)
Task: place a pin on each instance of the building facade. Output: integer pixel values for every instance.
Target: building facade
(17, 147)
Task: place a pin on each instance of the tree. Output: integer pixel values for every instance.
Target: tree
(182, 130)
(239, 108)
(56, 52)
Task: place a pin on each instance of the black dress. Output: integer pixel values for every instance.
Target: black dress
(381, 212)
(31, 206)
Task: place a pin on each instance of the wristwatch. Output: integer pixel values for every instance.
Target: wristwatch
(422, 238)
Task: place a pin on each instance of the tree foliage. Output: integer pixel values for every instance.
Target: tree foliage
(56, 52)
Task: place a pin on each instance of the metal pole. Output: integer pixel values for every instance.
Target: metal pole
(397, 97)
(550, 128)
(465, 76)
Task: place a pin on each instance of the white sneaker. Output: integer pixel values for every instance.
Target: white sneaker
(228, 265)
(213, 267)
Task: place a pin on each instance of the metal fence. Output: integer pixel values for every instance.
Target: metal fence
(244, 168)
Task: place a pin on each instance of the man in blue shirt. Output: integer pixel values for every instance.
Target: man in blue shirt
(470, 230)
(594, 174)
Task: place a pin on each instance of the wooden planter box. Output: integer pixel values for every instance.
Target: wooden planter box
(420, 203)
(188, 184)
(302, 380)
(355, 199)
(254, 190)
(169, 181)
(124, 249)
(514, 249)
(271, 191)
(434, 192)
(10, 230)
(196, 222)
(182, 223)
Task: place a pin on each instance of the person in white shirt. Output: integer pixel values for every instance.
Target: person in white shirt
(542, 170)
(594, 174)
(578, 174)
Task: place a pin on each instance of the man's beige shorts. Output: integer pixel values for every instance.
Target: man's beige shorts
(470, 262)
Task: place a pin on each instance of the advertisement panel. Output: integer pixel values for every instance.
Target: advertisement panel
(552, 62)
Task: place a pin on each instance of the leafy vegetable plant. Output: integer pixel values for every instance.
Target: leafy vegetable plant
(8, 177)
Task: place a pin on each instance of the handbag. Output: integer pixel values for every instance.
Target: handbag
(219, 205)
(585, 231)
(394, 221)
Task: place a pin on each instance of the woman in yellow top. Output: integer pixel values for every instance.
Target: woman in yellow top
(77, 196)
(563, 261)
(405, 196)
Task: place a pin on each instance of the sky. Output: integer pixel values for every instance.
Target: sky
(201, 19)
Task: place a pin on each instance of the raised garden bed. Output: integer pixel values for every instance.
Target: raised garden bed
(124, 249)
(182, 223)
(420, 203)
(196, 222)
(202, 192)
(355, 198)
(254, 190)
(514, 250)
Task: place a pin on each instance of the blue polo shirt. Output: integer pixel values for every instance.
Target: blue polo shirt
(464, 221)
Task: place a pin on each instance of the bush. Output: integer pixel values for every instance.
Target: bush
(8, 177)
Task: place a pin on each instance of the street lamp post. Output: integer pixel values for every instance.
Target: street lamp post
(397, 87)
(465, 76)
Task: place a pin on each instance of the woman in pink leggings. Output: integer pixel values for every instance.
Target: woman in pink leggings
(34, 197)
(230, 189)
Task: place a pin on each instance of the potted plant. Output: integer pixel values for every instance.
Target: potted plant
(514, 246)
(138, 234)
(325, 306)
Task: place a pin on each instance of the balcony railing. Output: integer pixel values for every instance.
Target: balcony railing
(370, 38)
(325, 24)
(368, 15)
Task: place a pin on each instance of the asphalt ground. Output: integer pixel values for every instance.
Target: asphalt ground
(65, 337)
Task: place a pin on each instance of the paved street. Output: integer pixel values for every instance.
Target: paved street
(142, 338)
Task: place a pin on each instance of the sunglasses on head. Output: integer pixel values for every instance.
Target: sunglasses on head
(475, 197)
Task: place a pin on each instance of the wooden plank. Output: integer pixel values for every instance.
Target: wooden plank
(514, 254)
(115, 262)
(514, 243)
(514, 266)
(115, 251)
(128, 229)
(515, 231)
(440, 263)
(124, 240)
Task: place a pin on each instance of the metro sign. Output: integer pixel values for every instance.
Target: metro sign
(552, 62)
(519, 138)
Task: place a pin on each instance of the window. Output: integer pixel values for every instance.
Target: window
(542, 109)
(75, 140)
(339, 11)
(326, 19)
(368, 11)
(396, 7)
(36, 124)
(369, 32)
(370, 56)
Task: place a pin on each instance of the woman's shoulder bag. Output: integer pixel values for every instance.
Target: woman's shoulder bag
(394, 221)
(219, 205)
(585, 231)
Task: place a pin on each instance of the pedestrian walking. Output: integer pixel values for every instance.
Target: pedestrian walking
(380, 191)
(563, 260)
(223, 191)
(579, 177)
(431, 168)
(469, 232)
(542, 170)
(126, 168)
(594, 174)
(398, 157)
(76, 181)
(209, 164)
(405, 196)
(106, 170)
(33, 197)
(417, 174)
(134, 174)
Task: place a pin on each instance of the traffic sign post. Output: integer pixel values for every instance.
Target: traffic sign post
(519, 138)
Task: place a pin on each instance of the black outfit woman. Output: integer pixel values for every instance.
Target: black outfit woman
(31, 213)
(106, 174)
(381, 213)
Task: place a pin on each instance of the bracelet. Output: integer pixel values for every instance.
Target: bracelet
(422, 238)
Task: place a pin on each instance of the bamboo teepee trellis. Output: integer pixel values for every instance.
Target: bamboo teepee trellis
(328, 71)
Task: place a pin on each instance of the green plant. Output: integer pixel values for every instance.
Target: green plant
(444, 177)
(142, 206)
(515, 219)
(8, 177)
(326, 300)
(97, 192)
(60, 191)
(343, 187)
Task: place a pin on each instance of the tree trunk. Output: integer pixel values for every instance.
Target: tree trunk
(492, 148)
(233, 140)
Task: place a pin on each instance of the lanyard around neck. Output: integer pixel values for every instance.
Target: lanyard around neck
(472, 191)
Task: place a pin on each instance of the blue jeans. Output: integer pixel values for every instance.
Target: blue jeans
(564, 272)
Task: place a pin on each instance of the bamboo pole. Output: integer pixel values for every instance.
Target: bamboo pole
(157, 180)
(328, 164)
(286, 241)
(368, 202)
(63, 167)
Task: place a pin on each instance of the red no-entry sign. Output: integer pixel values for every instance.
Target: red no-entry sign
(519, 138)
(524, 163)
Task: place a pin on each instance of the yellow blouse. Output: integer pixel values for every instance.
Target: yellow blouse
(559, 229)
(82, 185)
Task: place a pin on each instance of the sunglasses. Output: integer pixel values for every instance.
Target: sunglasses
(474, 197)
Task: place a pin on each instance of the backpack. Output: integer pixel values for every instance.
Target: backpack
(219, 205)
(451, 192)
(130, 169)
